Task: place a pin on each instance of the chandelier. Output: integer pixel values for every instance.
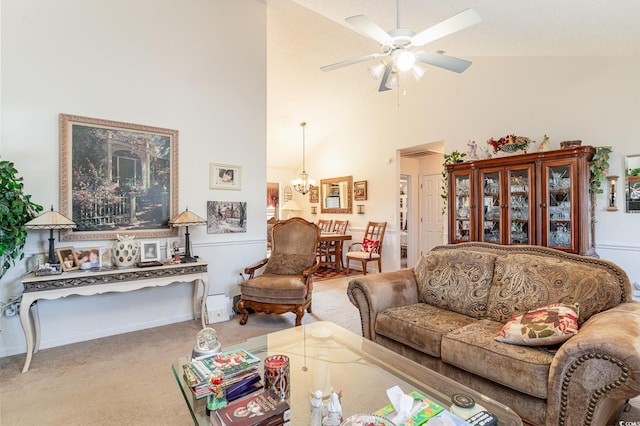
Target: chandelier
(303, 184)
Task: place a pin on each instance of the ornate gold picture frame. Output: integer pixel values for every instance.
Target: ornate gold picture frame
(117, 178)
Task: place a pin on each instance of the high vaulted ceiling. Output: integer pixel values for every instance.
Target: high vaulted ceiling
(304, 35)
(508, 27)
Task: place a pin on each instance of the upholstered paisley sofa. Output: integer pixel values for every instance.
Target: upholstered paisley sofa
(447, 311)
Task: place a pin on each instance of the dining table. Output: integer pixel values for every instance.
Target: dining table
(336, 239)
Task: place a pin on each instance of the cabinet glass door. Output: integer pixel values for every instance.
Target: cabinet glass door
(462, 207)
(559, 201)
(520, 212)
(491, 212)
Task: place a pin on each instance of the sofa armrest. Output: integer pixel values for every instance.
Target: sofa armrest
(376, 292)
(597, 370)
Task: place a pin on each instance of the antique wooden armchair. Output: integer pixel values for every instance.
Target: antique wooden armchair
(286, 284)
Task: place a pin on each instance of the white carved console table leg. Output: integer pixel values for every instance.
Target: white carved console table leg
(88, 283)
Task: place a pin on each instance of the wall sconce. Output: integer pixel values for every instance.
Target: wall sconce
(314, 209)
(613, 180)
(360, 208)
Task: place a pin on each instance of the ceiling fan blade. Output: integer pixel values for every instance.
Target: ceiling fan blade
(369, 28)
(462, 20)
(447, 62)
(385, 77)
(350, 62)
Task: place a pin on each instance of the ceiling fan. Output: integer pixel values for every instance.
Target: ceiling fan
(398, 47)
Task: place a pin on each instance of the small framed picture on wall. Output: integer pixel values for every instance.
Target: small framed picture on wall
(224, 176)
(360, 190)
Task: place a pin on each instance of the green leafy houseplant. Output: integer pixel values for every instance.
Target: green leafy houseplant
(597, 167)
(454, 157)
(16, 209)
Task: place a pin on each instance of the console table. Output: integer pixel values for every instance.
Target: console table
(87, 283)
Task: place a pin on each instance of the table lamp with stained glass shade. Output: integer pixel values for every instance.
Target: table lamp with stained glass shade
(186, 219)
(206, 343)
(50, 220)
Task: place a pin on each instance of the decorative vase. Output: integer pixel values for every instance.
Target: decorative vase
(126, 252)
(510, 148)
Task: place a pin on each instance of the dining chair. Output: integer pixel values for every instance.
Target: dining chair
(370, 248)
(286, 283)
(335, 247)
(325, 225)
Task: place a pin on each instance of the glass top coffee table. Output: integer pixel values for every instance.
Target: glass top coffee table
(324, 356)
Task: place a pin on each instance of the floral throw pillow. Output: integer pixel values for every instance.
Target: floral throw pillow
(547, 325)
(371, 246)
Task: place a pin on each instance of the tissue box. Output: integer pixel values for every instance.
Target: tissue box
(422, 410)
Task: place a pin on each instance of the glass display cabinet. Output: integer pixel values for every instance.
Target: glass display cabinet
(536, 199)
(507, 199)
(462, 227)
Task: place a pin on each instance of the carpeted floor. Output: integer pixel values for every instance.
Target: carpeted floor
(126, 379)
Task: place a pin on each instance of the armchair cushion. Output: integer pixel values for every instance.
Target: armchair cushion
(362, 255)
(547, 325)
(289, 264)
(271, 288)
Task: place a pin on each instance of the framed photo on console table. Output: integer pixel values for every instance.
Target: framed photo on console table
(68, 258)
(150, 251)
(117, 178)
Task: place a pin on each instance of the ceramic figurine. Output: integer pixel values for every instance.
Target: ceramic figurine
(472, 153)
(544, 145)
(176, 252)
(316, 409)
(484, 153)
(334, 411)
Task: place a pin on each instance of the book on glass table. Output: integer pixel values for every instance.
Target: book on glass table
(263, 408)
(231, 363)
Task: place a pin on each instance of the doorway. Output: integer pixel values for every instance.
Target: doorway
(421, 167)
(273, 200)
(405, 190)
(432, 219)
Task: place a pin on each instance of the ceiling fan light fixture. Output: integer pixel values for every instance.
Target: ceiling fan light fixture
(418, 71)
(405, 60)
(393, 82)
(377, 70)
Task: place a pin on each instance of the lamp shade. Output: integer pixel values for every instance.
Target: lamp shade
(291, 205)
(50, 220)
(187, 218)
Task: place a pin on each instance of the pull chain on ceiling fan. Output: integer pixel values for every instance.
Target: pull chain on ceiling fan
(397, 47)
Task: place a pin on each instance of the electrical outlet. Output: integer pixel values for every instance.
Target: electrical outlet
(635, 289)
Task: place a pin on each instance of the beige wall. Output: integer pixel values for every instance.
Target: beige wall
(198, 66)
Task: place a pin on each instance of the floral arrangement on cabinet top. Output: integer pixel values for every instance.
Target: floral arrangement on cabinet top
(505, 145)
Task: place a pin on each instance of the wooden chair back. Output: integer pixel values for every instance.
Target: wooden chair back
(325, 225)
(375, 231)
(340, 226)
